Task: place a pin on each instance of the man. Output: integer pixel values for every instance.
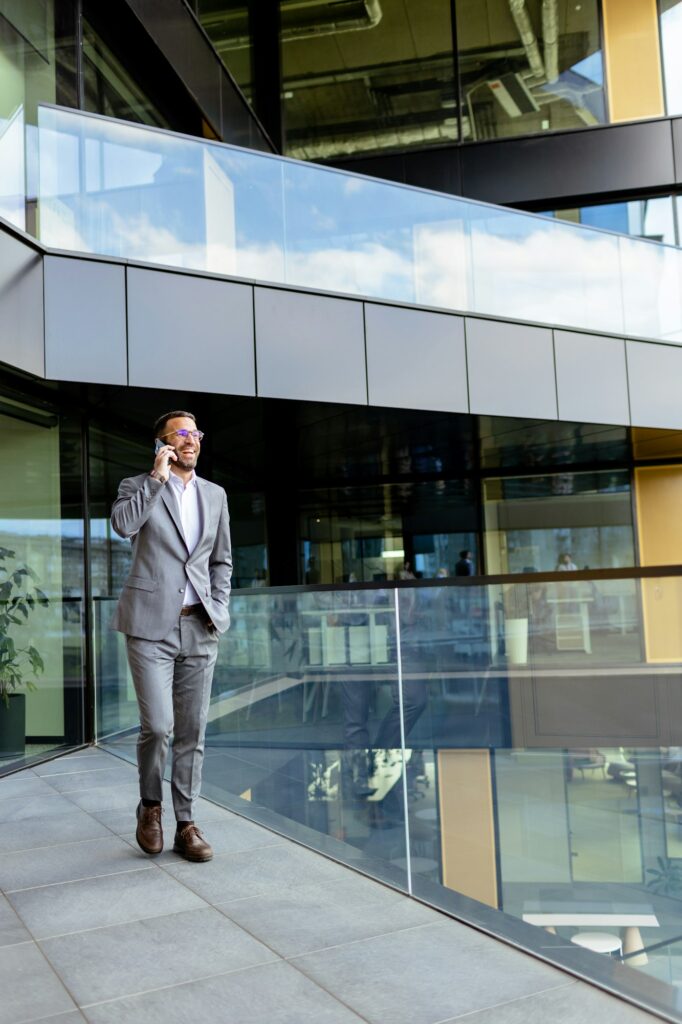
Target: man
(465, 566)
(173, 607)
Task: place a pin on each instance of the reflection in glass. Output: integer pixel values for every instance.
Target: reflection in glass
(123, 190)
(110, 88)
(226, 22)
(41, 524)
(533, 522)
(651, 218)
(363, 534)
(367, 77)
(487, 747)
(525, 68)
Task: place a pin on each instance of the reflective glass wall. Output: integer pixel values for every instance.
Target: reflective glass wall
(367, 77)
(227, 24)
(43, 615)
(655, 218)
(505, 751)
(529, 67)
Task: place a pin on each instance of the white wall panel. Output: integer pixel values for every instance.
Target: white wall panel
(21, 306)
(85, 323)
(655, 382)
(511, 369)
(310, 347)
(415, 359)
(189, 332)
(592, 382)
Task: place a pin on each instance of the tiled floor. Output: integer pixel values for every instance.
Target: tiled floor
(266, 933)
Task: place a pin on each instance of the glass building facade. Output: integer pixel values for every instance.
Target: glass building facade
(505, 747)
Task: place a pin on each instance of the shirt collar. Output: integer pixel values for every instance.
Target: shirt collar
(177, 482)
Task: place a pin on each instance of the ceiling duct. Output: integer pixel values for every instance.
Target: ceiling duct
(550, 35)
(311, 19)
(519, 12)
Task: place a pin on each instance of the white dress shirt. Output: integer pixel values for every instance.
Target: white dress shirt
(187, 497)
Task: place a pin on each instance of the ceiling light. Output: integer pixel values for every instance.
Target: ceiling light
(398, 553)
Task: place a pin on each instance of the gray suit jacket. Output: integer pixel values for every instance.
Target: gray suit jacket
(146, 511)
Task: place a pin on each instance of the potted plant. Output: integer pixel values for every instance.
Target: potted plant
(19, 665)
(666, 879)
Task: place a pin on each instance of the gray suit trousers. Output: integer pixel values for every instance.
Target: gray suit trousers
(172, 679)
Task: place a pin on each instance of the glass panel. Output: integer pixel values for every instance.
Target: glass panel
(113, 189)
(111, 459)
(367, 77)
(530, 792)
(120, 190)
(563, 521)
(41, 584)
(110, 88)
(525, 68)
(507, 442)
(652, 299)
(645, 218)
(226, 22)
(364, 534)
(527, 728)
(579, 282)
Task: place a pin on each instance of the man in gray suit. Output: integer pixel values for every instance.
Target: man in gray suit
(173, 608)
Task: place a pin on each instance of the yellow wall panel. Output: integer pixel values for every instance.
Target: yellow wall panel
(658, 491)
(633, 59)
(652, 443)
(465, 795)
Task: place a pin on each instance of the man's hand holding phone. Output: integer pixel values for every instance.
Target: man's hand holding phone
(165, 453)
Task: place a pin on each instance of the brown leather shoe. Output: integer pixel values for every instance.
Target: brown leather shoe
(149, 833)
(191, 845)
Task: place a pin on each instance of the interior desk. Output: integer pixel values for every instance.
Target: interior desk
(629, 919)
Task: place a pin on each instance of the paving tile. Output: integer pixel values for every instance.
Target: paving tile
(427, 974)
(132, 958)
(276, 993)
(30, 988)
(76, 763)
(19, 808)
(25, 784)
(11, 928)
(98, 902)
(70, 1017)
(309, 917)
(231, 836)
(574, 1003)
(122, 797)
(75, 782)
(270, 869)
(123, 822)
(32, 833)
(66, 863)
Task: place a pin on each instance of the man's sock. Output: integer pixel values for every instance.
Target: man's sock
(182, 824)
(151, 803)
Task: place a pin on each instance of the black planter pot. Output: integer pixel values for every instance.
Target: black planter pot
(13, 726)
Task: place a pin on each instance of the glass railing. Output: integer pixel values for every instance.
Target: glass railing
(107, 187)
(506, 751)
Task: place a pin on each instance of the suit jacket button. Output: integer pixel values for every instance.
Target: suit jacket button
(180, 591)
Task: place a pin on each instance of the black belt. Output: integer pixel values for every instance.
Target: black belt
(191, 609)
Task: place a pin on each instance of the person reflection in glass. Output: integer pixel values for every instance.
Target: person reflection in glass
(360, 755)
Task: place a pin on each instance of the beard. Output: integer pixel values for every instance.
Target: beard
(186, 460)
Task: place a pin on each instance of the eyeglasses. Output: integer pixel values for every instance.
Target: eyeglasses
(196, 435)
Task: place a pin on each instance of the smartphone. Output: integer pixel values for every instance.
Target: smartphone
(158, 445)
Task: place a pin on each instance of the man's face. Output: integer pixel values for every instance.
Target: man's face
(187, 448)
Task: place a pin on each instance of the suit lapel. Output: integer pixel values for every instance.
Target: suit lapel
(172, 506)
(204, 510)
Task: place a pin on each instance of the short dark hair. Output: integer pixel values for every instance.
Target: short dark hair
(464, 552)
(175, 414)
